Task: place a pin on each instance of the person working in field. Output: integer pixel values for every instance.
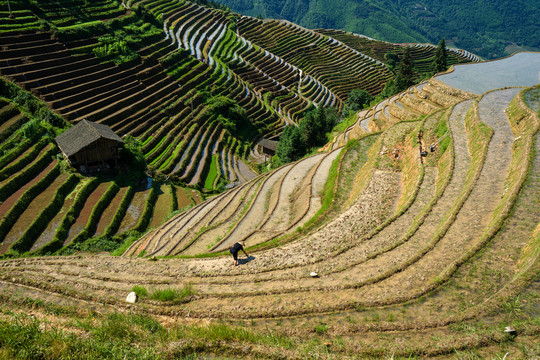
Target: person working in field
(235, 249)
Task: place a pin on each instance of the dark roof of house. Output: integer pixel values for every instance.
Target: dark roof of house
(84, 134)
(269, 144)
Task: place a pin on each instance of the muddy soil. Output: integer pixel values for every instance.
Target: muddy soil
(28, 216)
(110, 211)
(86, 211)
(163, 206)
(183, 198)
(134, 211)
(8, 203)
(48, 234)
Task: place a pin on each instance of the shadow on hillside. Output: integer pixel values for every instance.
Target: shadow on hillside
(246, 260)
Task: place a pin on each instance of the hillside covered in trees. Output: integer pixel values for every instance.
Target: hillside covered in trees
(501, 28)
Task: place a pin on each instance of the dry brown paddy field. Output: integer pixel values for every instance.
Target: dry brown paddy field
(416, 256)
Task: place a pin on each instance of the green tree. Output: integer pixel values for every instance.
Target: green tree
(406, 75)
(357, 99)
(314, 126)
(232, 116)
(133, 156)
(290, 146)
(390, 88)
(295, 142)
(440, 63)
(33, 130)
(391, 60)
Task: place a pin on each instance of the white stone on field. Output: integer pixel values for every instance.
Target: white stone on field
(131, 298)
(313, 274)
(509, 330)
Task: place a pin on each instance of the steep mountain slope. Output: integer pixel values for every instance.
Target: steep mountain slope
(413, 233)
(415, 254)
(500, 28)
(191, 88)
(274, 205)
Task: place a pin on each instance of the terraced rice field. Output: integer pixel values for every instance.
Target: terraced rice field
(415, 255)
(154, 71)
(422, 55)
(420, 220)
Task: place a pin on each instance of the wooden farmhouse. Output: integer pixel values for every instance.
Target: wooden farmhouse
(268, 147)
(90, 146)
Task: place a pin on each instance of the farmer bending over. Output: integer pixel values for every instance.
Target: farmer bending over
(235, 249)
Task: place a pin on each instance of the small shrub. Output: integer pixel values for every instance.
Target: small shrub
(92, 245)
(141, 291)
(132, 154)
(174, 295)
(99, 244)
(174, 202)
(357, 100)
(129, 238)
(321, 329)
(231, 116)
(114, 49)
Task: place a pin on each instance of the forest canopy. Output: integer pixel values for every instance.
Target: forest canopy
(501, 28)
